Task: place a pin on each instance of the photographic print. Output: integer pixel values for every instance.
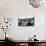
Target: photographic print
(26, 22)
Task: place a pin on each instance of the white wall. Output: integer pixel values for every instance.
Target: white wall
(22, 8)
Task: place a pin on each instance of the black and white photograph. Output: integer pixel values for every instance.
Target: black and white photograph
(26, 22)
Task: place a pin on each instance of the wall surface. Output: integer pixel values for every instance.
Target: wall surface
(22, 9)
